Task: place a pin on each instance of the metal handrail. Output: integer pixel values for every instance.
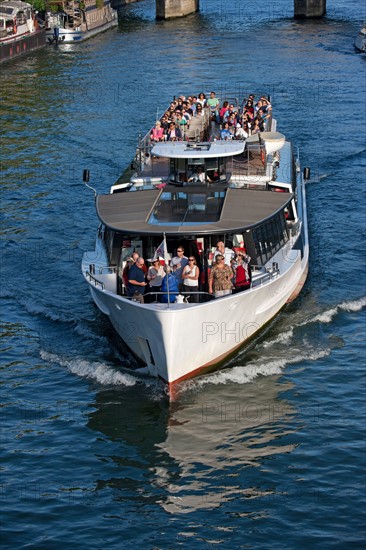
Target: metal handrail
(266, 275)
(113, 268)
(94, 280)
(175, 292)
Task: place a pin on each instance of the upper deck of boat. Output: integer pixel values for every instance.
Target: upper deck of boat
(201, 139)
(239, 196)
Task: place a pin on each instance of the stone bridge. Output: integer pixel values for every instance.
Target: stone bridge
(168, 9)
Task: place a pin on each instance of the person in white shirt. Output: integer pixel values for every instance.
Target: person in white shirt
(224, 251)
(190, 276)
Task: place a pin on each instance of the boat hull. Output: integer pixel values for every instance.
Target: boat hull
(71, 36)
(180, 341)
(11, 49)
(360, 42)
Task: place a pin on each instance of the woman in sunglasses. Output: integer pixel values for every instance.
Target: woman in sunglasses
(190, 277)
(220, 278)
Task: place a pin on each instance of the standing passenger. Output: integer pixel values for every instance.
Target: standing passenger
(190, 276)
(178, 263)
(169, 284)
(224, 251)
(155, 275)
(136, 278)
(219, 281)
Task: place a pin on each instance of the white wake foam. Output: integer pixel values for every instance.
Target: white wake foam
(97, 371)
(247, 373)
(328, 315)
(282, 338)
(325, 317)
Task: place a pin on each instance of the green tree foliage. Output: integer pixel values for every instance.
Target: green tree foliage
(39, 5)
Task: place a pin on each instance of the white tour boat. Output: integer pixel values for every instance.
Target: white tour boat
(252, 197)
(20, 29)
(360, 41)
(70, 21)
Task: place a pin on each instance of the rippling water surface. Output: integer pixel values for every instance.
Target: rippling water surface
(268, 453)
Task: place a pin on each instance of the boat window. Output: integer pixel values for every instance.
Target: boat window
(5, 10)
(185, 208)
(269, 237)
(21, 19)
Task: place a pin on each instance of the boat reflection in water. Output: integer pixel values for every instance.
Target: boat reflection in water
(210, 448)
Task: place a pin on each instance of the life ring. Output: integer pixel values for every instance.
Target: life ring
(263, 157)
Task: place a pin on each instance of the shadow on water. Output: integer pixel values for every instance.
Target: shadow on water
(192, 455)
(130, 21)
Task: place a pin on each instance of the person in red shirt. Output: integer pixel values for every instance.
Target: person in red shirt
(242, 275)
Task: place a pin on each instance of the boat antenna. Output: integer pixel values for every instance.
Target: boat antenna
(86, 177)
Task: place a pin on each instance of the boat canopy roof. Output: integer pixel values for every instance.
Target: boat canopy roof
(187, 149)
(193, 210)
(11, 7)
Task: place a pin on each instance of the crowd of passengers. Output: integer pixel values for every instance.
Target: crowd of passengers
(229, 273)
(234, 123)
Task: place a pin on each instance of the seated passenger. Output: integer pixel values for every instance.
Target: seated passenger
(224, 109)
(181, 121)
(199, 176)
(202, 99)
(187, 114)
(199, 110)
(249, 107)
(157, 133)
(232, 120)
(257, 127)
(225, 132)
(174, 133)
(214, 105)
(240, 133)
(246, 128)
(179, 105)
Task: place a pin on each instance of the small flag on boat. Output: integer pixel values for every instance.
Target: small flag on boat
(162, 251)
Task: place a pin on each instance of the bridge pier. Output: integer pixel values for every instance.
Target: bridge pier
(309, 8)
(167, 9)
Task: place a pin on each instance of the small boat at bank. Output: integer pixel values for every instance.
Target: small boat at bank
(20, 30)
(252, 197)
(70, 21)
(360, 42)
